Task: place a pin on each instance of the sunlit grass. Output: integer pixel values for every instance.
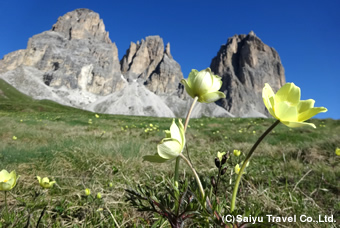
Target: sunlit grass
(78, 156)
(294, 171)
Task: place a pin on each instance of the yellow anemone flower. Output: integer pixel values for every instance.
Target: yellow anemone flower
(204, 85)
(87, 191)
(220, 155)
(99, 195)
(237, 153)
(171, 146)
(45, 182)
(237, 168)
(287, 107)
(7, 180)
(337, 151)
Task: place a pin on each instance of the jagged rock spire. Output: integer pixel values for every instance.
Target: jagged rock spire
(245, 63)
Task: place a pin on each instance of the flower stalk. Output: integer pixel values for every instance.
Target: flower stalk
(195, 174)
(185, 129)
(6, 203)
(218, 179)
(245, 162)
(189, 114)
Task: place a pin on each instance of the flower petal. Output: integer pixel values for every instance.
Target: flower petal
(297, 124)
(211, 97)
(12, 182)
(191, 77)
(4, 175)
(182, 133)
(217, 84)
(154, 158)
(289, 93)
(237, 168)
(14, 176)
(337, 151)
(5, 186)
(202, 82)
(285, 112)
(310, 113)
(188, 88)
(45, 180)
(305, 105)
(220, 155)
(169, 148)
(175, 132)
(268, 98)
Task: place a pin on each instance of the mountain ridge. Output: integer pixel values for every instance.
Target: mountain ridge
(76, 64)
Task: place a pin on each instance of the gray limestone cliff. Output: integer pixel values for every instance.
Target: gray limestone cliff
(153, 65)
(76, 53)
(165, 79)
(245, 64)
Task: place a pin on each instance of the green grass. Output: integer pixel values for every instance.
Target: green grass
(293, 171)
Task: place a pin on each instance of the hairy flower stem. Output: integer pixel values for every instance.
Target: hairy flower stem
(195, 174)
(185, 129)
(237, 183)
(177, 171)
(189, 114)
(7, 214)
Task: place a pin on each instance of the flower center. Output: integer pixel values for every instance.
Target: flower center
(5, 181)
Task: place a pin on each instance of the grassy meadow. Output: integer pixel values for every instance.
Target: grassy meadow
(292, 172)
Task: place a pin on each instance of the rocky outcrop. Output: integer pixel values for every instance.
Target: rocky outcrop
(82, 24)
(165, 79)
(142, 58)
(76, 53)
(152, 65)
(28, 80)
(245, 63)
(12, 60)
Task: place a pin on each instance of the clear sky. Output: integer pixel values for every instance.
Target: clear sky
(306, 34)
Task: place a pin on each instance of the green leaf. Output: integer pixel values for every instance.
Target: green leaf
(154, 158)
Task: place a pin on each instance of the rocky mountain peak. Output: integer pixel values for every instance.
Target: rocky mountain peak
(153, 65)
(142, 58)
(82, 24)
(76, 54)
(245, 63)
(155, 46)
(167, 50)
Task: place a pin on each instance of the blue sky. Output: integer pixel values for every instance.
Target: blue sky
(306, 34)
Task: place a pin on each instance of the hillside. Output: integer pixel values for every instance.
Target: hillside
(11, 100)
